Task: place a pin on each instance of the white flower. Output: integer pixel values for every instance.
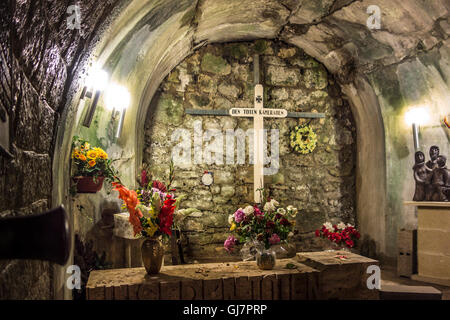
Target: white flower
(349, 225)
(341, 226)
(269, 207)
(281, 211)
(291, 234)
(230, 219)
(292, 211)
(329, 226)
(274, 202)
(248, 210)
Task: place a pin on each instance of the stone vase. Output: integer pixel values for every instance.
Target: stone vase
(152, 251)
(266, 259)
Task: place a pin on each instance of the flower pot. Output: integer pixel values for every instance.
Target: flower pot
(152, 251)
(88, 185)
(266, 259)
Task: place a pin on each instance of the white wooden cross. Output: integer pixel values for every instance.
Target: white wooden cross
(258, 113)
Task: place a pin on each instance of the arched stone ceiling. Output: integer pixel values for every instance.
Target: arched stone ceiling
(149, 38)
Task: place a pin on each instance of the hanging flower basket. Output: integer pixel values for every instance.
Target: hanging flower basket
(89, 184)
(90, 166)
(303, 139)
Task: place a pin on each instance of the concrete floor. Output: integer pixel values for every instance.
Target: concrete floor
(389, 276)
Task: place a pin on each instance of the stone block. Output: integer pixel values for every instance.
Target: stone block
(340, 277)
(402, 292)
(191, 290)
(212, 289)
(170, 290)
(433, 265)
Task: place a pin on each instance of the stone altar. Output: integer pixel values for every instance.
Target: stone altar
(433, 242)
(311, 276)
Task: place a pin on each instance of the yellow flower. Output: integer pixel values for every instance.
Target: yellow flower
(82, 157)
(86, 146)
(92, 154)
(92, 163)
(102, 154)
(233, 226)
(151, 229)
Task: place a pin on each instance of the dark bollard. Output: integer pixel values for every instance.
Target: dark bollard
(43, 236)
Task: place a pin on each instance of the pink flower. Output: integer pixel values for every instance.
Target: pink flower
(239, 215)
(274, 239)
(257, 211)
(229, 243)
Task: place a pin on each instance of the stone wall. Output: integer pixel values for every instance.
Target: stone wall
(321, 184)
(41, 61)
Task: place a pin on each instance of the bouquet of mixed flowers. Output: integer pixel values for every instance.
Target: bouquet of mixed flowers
(264, 224)
(151, 206)
(91, 161)
(341, 233)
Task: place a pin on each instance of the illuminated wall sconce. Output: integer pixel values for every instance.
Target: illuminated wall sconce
(95, 82)
(117, 98)
(447, 121)
(417, 117)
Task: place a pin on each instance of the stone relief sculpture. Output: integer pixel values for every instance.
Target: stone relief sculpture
(434, 154)
(439, 180)
(422, 176)
(432, 178)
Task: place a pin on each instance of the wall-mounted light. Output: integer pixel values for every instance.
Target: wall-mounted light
(96, 82)
(117, 98)
(416, 117)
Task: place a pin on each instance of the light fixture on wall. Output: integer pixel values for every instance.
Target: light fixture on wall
(95, 83)
(447, 121)
(117, 98)
(416, 117)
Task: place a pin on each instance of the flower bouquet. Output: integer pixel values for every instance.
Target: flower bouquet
(341, 235)
(90, 166)
(260, 227)
(151, 208)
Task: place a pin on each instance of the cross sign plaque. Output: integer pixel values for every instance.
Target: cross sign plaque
(258, 113)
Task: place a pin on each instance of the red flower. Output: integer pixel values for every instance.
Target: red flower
(159, 185)
(270, 224)
(144, 179)
(284, 222)
(349, 243)
(166, 215)
(317, 233)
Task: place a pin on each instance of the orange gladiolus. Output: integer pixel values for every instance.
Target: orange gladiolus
(82, 157)
(92, 163)
(131, 201)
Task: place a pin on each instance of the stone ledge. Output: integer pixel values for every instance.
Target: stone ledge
(427, 204)
(237, 280)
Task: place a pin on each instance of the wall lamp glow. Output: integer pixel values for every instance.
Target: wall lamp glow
(95, 82)
(416, 117)
(117, 98)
